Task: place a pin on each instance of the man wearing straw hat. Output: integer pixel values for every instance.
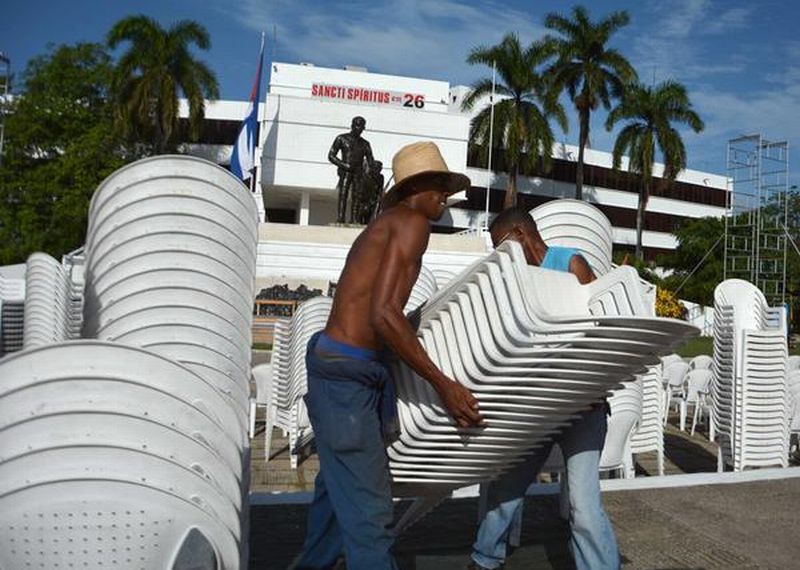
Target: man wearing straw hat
(351, 400)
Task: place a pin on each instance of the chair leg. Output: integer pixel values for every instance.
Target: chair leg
(268, 428)
(253, 408)
(682, 404)
(697, 409)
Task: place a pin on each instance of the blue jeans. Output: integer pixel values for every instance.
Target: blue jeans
(352, 507)
(592, 541)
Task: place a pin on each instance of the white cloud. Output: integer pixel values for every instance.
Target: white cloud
(423, 38)
(675, 41)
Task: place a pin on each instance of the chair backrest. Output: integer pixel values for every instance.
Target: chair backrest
(620, 426)
(262, 374)
(671, 358)
(701, 361)
(697, 381)
(675, 374)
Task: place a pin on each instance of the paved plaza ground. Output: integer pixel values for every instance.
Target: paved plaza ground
(699, 525)
(744, 525)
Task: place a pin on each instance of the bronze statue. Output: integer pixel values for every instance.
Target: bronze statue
(372, 189)
(356, 152)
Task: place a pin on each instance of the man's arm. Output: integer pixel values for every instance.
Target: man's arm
(334, 151)
(396, 276)
(581, 269)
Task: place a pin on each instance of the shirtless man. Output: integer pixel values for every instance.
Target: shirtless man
(350, 398)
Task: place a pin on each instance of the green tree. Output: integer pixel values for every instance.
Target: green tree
(156, 69)
(60, 143)
(697, 262)
(591, 73)
(649, 114)
(527, 101)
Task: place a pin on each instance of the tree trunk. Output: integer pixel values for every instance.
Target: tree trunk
(644, 196)
(583, 138)
(510, 199)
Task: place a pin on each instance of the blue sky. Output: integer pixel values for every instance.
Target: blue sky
(740, 60)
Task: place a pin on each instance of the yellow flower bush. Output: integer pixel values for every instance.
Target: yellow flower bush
(668, 304)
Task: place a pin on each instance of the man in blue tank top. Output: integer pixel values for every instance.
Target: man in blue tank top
(592, 541)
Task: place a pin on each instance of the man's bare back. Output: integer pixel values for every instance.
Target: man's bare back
(351, 316)
(375, 285)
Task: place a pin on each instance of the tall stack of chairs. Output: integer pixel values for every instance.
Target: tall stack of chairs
(12, 311)
(535, 347)
(134, 437)
(749, 389)
(579, 224)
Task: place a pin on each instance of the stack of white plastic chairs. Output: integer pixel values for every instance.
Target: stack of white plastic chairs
(793, 394)
(649, 433)
(578, 224)
(534, 347)
(286, 407)
(53, 303)
(626, 413)
(793, 397)
(748, 392)
(12, 310)
(134, 440)
(289, 373)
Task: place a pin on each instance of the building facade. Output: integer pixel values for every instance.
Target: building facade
(306, 107)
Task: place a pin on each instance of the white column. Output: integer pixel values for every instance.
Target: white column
(305, 200)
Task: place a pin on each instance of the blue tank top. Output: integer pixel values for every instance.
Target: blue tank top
(558, 258)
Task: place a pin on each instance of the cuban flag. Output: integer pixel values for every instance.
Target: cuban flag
(244, 149)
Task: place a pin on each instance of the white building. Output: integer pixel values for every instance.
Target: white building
(307, 106)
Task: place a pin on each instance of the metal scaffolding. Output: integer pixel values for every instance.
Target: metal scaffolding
(755, 224)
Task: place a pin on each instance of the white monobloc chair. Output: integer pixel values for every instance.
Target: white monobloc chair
(262, 376)
(674, 378)
(698, 382)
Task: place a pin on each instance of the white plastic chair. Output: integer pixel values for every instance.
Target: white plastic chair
(697, 384)
(674, 378)
(616, 455)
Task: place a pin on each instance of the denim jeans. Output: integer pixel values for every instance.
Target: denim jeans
(352, 507)
(592, 541)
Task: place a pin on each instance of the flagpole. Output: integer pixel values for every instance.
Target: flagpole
(489, 160)
(258, 130)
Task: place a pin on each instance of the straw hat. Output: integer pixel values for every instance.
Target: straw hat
(416, 160)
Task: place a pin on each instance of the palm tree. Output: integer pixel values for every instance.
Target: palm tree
(521, 116)
(649, 114)
(591, 73)
(150, 75)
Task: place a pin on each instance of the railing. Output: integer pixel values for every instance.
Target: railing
(265, 313)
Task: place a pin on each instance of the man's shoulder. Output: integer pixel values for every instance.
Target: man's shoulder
(404, 219)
